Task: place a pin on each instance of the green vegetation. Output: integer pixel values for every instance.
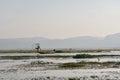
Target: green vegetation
(33, 57)
(37, 62)
(14, 57)
(40, 63)
(83, 56)
(58, 51)
(92, 56)
(94, 76)
(90, 65)
(25, 51)
(81, 51)
(48, 77)
(103, 63)
(54, 56)
(71, 65)
(19, 57)
(35, 79)
(73, 79)
(17, 51)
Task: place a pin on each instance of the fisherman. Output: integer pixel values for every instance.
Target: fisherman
(37, 47)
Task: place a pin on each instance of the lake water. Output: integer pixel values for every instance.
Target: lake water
(12, 70)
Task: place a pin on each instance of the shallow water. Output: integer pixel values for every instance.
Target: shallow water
(15, 69)
(84, 74)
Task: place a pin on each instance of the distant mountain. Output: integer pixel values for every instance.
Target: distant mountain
(83, 42)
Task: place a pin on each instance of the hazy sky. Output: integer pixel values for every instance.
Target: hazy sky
(58, 18)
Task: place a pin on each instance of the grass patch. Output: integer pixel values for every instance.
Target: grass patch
(92, 56)
(37, 62)
(94, 76)
(71, 65)
(83, 56)
(32, 57)
(20, 57)
(59, 51)
(25, 51)
(14, 57)
(90, 65)
(73, 79)
(40, 64)
(57, 56)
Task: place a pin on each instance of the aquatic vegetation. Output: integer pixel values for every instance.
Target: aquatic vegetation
(73, 79)
(94, 76)
(83, 56)
(92, 56)
(71, 65)
(37, 62)
(60, 51)
(87, 65)
(20, 57)
(14, 57)
(24, 51)
(35, 79)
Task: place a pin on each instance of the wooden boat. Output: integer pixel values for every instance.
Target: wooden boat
(42, 52)
(38, 48)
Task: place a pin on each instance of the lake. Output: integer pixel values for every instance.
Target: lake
(22, 69)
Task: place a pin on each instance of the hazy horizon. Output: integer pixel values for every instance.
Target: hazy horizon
(58, 19)
(87, 36)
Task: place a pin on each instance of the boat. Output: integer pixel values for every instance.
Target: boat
(38, 48)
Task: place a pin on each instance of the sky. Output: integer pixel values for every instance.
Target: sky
(59, 18)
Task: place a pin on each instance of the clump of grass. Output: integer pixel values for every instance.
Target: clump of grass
(83, 56)
(94, 76)
(73, 79)
(57, 56)
(88, 62)
(25, 51)
(20, 57)
(14, 57)
(90, 65)
(59, 51)
(71, 65)
(118, 63)
(34, 79)
(37, 62)
(17, 57)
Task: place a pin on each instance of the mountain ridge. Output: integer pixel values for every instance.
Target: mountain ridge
(81, 42)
